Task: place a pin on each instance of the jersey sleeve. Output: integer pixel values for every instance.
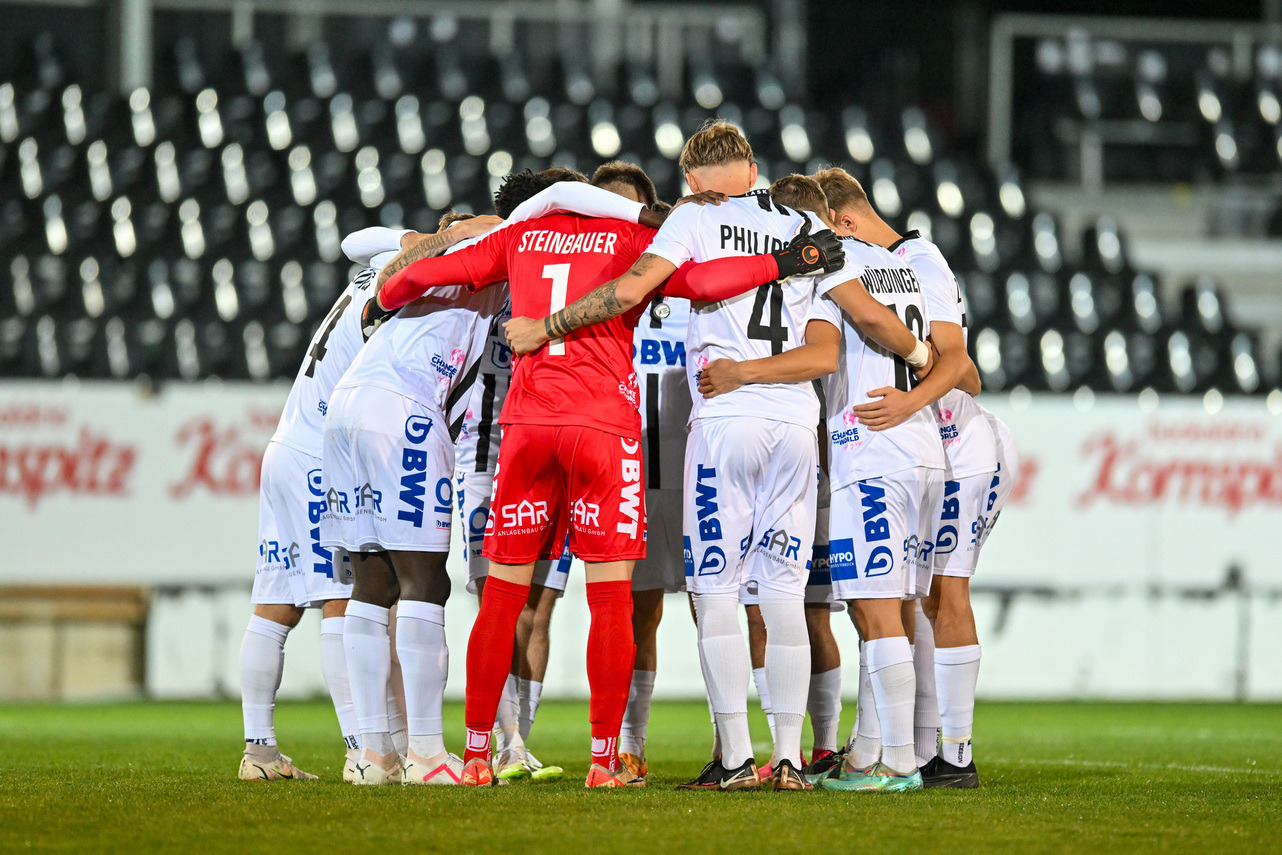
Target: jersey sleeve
(476, 266)
(825, 309)
(939, 289)
(364, 245)
(675, 241)
(853, 269)
(721, 278)
(577, 198)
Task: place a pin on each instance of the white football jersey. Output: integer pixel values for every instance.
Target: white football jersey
(659, 355)
(968, 441)
(332, 349)
(430, 350)
(477, 448)
(766, 321)
(855, 452)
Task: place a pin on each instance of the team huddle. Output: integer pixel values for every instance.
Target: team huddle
(761, 397)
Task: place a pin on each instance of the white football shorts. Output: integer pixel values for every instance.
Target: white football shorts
(999, 490)
(880, 544)
(293, 567)
(664, 562)
(388, 468)
(474, 491)
(959, 524)
(749, 510)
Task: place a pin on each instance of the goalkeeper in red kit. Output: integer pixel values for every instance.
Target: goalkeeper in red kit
(571, 453)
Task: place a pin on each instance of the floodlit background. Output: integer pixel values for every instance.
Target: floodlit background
(175, 177)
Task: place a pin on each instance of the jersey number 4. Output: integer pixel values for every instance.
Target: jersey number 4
(317, 353)
(774, 332)
(904, 380)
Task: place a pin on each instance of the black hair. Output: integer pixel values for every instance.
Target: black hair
(520, 186)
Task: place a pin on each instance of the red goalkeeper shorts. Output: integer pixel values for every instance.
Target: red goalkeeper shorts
(552, 478)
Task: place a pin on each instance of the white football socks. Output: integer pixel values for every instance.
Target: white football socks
(396, 690)
(334, 669)
(425, 665)
(726, 669)
(507, 718)
(787, 671)
(926, 709)
(824, 706)
(956, 673)
(636, 718)
(369, 664)
(890, 669)
(763, 694)
(867, 737)
(530, 691)
(262, 658)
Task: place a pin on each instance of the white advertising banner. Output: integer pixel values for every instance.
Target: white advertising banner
(99, 484)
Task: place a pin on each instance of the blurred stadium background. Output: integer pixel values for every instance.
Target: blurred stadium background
(175, 177)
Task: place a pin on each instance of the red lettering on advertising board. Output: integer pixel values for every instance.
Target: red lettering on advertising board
(89, 465)
(223, 460)
(1128, 473)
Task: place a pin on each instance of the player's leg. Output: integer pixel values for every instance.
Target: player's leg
(874, 559)
(824, 700)
(611, 656)
(334, 670)
(369, 663)
(778, 562)
(717, 521)
(926, 719)
(647, 612)
(282, 517)
(757, 655)
(533, 644)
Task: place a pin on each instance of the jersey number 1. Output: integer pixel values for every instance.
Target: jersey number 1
(560, 276)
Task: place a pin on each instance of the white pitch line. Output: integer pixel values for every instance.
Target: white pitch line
(1157, 767)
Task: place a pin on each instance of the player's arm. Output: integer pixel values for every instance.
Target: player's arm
(578, 198)
(970, 382)
(817, 357)
(433, 245)
(894, 406)
(881, 325)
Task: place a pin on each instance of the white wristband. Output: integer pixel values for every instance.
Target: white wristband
(921, 353)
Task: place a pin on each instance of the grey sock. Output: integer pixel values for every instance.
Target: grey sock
(261, 753)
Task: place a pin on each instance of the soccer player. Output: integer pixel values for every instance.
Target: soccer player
(947, 658)
(295, 571)
(751, 457)
(571, 457)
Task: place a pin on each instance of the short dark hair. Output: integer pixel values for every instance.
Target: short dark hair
(628, 174)
(519, 186)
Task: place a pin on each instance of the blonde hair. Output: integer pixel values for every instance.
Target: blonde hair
(801, 192)
(449, 218)
(716, 143)
(842, 190)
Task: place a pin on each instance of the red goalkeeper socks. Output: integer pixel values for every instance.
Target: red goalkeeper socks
(489, 659)
(611, 653)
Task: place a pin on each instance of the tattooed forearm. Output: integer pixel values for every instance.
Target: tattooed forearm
(596, 306)
(429, 247)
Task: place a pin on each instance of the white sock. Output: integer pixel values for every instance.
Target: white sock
(726, 669)
(425, 664)
(926, 707)
(712, 715)
(262, 658)
(334, 668)
(763, 693)
(636, 718)
(956, 673)
(824, 706)
(530, 691)
(369, 664)
(787, 671)
(867, 738)
(507, 720)
(396, 690)
(890, 669)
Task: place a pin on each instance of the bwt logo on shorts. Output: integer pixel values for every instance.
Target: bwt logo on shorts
(946, 539)
(876, 527)
(414, 481)
(323, 559)
(417, 428)
(714, 561)
(630, 493)
(655, 352)
(705, 500)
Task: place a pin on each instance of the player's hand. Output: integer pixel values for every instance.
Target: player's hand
(893, 408)
(525, 335)
(719, 377)
(373, 316)
(475, 226)
(706, 197)
(932, 356)
(807, 253)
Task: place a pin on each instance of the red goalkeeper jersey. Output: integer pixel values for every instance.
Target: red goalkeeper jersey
(586, 378)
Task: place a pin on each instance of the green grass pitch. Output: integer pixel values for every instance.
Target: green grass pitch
(1056, 777)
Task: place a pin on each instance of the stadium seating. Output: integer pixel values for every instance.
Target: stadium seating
(193, 231)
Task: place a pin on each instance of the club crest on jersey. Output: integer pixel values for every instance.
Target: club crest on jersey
(660, 311)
